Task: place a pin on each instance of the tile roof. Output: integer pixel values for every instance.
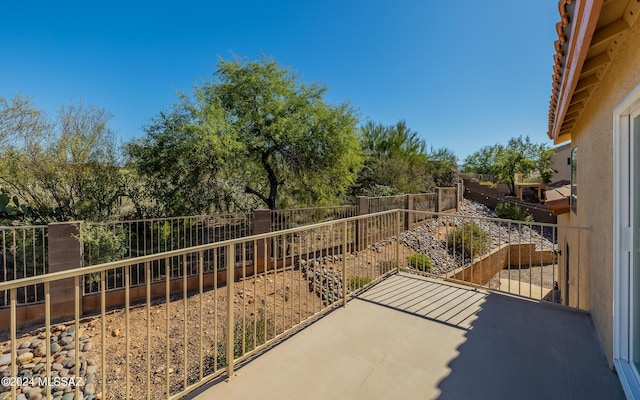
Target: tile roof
(589, 35)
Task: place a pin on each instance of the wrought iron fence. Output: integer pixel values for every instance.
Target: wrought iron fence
(448, 198)
(200, 328)
(295, 217)
(516, 257)
(385, 203)
(23, 253)
(425, 202)
(113, 241)
(176, 334)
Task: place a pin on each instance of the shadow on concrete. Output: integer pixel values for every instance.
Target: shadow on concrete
(517, 349)
(448, 304)
(513, 348)
(413, 337)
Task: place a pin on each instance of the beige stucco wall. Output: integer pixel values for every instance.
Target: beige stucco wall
(593, 135)
(559, 163)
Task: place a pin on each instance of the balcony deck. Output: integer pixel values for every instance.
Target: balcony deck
(412, 337)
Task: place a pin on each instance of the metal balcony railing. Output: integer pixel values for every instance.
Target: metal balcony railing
(171, 336)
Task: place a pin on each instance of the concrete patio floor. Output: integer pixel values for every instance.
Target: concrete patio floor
(415, 338)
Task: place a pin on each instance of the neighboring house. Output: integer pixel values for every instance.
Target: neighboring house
(561, 164)
(595, 104)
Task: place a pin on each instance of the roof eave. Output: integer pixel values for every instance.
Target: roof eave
(585, 18)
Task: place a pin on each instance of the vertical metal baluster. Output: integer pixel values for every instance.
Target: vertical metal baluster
(144, 234)
(344, 264)
(541, 260)
(243, 297)
(13, 293)
(531, 248)
(519, 258)
(147, 271)
(230, 251)
(24, 263)
(288, 290)
(307, 251)
(186, 317)
(300, 317)
(275, 286)
(47, 327)
(103, 315)
(127, 366)
(201, 297)
(462, 250)
(264, 273)
(15, 261)
(167, 316)
(255, 296)
(76, 285)
(499, 224)
(34, 263)
(509, 257)
(284, 282)
(5, 293)
(215, 309)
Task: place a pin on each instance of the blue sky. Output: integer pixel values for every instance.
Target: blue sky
(463, 74)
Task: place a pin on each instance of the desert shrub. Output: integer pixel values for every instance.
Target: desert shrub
(469, 238)
(421, 262)
(512, 211)
(102, 245)
(357, 282)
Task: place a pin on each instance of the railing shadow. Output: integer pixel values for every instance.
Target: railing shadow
(441, 302)
(518, 349)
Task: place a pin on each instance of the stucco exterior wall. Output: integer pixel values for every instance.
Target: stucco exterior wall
(593, 135)
(559, 163)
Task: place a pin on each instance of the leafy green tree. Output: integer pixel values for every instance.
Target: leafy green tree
(519, 155)
(394, 141)
(180, 161)
(443, 167)
(253, 130)
(59, 170)
(389, 176)
(395, 161)
(482, 161)
(19, 120)
(543, 164)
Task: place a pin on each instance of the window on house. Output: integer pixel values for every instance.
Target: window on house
(574, 180)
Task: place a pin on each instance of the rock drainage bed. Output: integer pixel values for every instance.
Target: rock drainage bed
(430, 238)
(31, 358)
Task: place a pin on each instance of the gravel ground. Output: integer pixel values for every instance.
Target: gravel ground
(430, 238)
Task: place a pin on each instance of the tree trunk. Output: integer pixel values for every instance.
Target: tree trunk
(271, 200)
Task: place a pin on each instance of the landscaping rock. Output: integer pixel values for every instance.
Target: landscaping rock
(5, 359)
(25, 358)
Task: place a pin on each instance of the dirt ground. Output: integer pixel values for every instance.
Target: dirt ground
(192, 331)
(264, 306)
